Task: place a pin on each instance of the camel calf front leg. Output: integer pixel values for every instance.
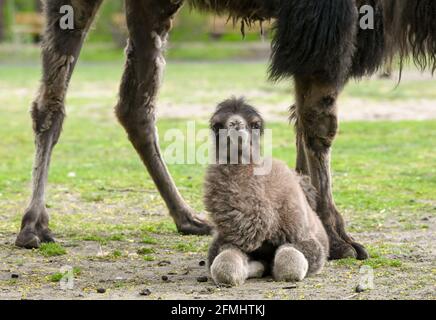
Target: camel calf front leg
(149, 22)
(317, 124)
(233, 267)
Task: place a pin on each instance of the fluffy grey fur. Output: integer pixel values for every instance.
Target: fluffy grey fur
(255, 215)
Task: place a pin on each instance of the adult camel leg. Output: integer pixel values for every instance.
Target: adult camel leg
(317, 124)
(149, 22)
(60, 51)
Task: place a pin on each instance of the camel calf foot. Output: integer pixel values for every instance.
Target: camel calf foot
(289, 264)
(230, 267)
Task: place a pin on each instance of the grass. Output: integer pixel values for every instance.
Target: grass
(149, 258)
(380, 170)
(116, 254)
(52, 249)
(374, 262)
(101, 65)
(148, 240)
(108, 52)
(146, 251)
(56, 277)
(383, 172)
(102, 239)
(191, 244)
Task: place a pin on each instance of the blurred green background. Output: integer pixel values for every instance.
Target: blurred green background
(208, 36)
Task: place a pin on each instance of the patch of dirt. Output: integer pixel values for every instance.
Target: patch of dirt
(350, 109)
(358, 109)
(25, 274)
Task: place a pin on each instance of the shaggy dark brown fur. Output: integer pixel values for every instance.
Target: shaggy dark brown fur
(314, 38)
(252, 210)
(370, 44)
(412, 28)
(322, 38)
(249, 10)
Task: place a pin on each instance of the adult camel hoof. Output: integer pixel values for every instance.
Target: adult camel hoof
(194, 225)
(362, 253)
(342, 251)
(27, 239)
(31, 239)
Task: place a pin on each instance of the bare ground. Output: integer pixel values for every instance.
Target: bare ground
(26, 274)
(350, 109)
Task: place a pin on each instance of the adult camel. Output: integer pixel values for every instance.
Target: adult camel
(316, 42)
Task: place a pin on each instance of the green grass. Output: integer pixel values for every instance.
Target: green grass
(149, 258)
(148, 240)
(116, 254)
(380, 169)
(191, 244)
(56, 277)
(379, 257)
(146, 251)
(159, 227)
(102, 239)
(52, 249)
(108, 52)
(383, 172)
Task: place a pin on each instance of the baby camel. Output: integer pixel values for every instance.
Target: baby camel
(264, 222)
